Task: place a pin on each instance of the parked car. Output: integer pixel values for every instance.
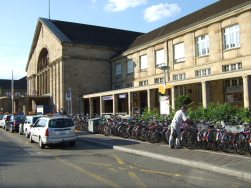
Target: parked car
(4, 119)
(53, 130)
(13, 123)
(24, 128)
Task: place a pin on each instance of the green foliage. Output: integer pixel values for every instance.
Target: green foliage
(148, 114)
(220, 112)
(180, 101)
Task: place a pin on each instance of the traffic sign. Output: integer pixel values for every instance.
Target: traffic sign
(68, 96)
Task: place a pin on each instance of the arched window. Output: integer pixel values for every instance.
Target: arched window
(43, 60)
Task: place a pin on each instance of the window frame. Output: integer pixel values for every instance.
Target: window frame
(130, 66)
(203, 72)
(181, 76)
(202, 45)
(232, 67)
(118, 70)
(143, 83)
(144, 60)
(179, 52)
(231, 37)
(159, 58)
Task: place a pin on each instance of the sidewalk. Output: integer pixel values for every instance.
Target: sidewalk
(230, 164)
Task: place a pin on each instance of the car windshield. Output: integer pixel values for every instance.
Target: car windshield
(35, 119)
(17, 118)
(1, 117)
(60, 123)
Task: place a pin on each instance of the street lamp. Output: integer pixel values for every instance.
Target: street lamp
(165, 68)
(70, 89)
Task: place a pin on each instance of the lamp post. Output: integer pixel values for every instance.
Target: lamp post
(70, 89)
(165, 68)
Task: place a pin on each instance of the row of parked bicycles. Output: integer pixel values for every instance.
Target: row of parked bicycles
(231, 135)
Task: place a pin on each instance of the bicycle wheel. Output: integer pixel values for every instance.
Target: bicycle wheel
(201, 140)
(124, 132)
(241, 144)
(107, 131)
(227, 145)
(190, 139)
(166, 136)
(214, 144)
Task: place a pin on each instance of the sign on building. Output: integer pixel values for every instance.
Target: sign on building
(164, 105)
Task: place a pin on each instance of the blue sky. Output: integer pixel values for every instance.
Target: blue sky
(18, 20)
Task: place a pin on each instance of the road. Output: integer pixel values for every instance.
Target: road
(24, 164)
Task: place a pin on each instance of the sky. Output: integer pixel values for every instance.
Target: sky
(18, 20)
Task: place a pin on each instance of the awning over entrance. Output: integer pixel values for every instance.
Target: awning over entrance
(33, 97)
(9, 97)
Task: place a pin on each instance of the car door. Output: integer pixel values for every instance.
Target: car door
(36, 129)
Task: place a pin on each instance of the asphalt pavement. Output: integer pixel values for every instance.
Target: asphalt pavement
(216, 161)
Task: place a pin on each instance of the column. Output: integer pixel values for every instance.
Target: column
(130, 103)
(205, 93)
(115, 104)
(173, 97)
(91, 107)
(246, 89)
(150, 99)
(102, 106)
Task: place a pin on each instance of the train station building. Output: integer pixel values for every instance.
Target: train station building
(205, 55)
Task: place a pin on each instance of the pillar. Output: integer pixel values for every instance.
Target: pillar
(173, 97)
(91, 107)
(205, 93)
(246, 89)
(115, 104)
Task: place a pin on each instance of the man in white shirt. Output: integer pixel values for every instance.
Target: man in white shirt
(178, 118)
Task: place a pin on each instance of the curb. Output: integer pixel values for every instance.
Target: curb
(204, 166)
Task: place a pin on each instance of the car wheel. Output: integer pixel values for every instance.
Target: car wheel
(41, 145)
(31, 141)
(72, 143)
(27, 134)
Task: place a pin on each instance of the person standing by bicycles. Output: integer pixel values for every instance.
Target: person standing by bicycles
(178, 118)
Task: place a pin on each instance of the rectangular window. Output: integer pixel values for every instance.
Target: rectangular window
(130, 67)
(143, 63)
(159, 80)
(8, 93)
(180, 90)
(234, 82)
(118, 87)
(118, 70)
(231, 37)
(203, 72)
(179, 52)
(160, 60)
(232, 67)
(129, 85)
(17, 93)
(202, 45)
(143, 83)
(179, 76)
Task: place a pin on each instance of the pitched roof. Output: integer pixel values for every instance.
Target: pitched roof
(91, 35)
(18, 84)
(212, 11)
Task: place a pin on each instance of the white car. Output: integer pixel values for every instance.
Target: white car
(53, 130)
(4, 119)
(29, 120)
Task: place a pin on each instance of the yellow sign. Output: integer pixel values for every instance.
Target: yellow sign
(162, 90)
